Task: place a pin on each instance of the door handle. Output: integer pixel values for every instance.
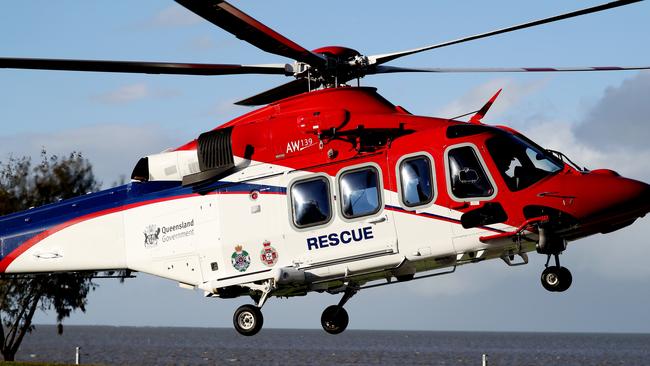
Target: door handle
(377, 220)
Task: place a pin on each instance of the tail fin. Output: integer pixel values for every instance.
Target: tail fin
(476, 119)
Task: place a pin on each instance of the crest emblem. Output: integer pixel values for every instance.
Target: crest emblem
(269, 255)
(240, 259)
(151, 234)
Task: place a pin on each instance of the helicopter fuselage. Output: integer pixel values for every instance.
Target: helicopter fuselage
(326, 190)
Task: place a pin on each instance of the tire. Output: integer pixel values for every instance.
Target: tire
(248, 320)
(565, 279)
(551, 279)
(404, 278)
(334, 319)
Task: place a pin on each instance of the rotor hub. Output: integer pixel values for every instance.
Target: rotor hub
(338, 52)
(343, 64)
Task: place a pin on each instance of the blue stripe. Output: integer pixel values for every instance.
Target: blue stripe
(440, 217)
(13, 242)
(19, 227)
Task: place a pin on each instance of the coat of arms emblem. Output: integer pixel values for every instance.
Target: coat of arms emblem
(240, 259)
(151, 234)
(268, 255)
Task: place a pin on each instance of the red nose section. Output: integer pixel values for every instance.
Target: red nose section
(645, 197)
(632, 195)
(608, 202)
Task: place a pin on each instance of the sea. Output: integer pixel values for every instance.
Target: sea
(105, 345)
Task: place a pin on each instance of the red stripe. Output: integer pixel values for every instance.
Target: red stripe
(6, 261)
(439, 218)
(435, 217)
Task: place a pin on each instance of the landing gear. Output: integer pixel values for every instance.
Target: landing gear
(556, 278)
(248, 320)
(335, 318)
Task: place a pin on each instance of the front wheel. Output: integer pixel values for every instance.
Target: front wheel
(565, 279)
(248, 320)
(556, 279)
(334, 319)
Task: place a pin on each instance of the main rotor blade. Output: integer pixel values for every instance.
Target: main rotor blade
(289, 89)
(141, 67)
(383, 58)
(381, 69)
(245, 27)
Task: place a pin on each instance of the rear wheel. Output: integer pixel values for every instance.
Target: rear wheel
(334, 319)
(248, 320)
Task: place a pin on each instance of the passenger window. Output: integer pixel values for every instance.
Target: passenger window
(467, 176)
(416, 181)
(360, 192)
(311, 202)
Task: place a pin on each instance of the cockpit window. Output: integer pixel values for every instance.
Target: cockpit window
(521, 164)
(467, 177)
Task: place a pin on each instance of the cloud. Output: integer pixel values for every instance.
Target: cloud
(124, 94)
(466, 281)
(131, 93)
(174, 16)
(621, 119)
(113, 149)
(202, 43)
(513, 92)
(613, 133)
(562, 136)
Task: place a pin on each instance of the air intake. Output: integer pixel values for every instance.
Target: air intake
(215, 149)
(215, 157)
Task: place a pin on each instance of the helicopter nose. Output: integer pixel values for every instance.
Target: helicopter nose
(605, 201)
(645, 197)
(627, 199)
(631, 194)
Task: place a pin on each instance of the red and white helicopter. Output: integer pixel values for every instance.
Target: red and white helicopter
(345, 190)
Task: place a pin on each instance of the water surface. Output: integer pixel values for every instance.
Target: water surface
(210, 346)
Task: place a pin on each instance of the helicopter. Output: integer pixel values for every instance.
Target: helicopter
(327, 188)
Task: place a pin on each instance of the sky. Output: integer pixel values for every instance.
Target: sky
(600, 120)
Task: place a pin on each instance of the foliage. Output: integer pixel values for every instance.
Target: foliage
(23, 186)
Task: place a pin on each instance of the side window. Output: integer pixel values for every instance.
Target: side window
(467, 176)
(416, 181)
(360, 194)
(311, 202)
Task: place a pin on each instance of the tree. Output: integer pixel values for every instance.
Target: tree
(23, 186)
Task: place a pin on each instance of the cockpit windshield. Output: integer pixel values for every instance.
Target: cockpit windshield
(520, 162)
